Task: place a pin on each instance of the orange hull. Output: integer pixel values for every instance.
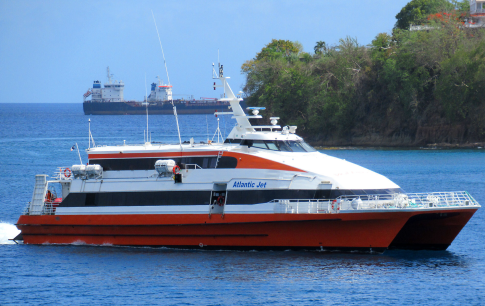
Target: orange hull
(432, 230)
(363, 231)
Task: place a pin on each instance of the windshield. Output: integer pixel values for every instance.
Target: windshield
(279, 145)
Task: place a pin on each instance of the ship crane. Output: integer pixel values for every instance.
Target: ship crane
(87, 94)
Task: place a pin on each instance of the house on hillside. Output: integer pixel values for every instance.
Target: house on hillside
(476, 20)
(477, 12)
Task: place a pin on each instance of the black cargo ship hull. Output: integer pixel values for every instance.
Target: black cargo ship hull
(155, 108)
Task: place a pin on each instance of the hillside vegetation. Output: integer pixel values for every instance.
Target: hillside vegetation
(408, 88)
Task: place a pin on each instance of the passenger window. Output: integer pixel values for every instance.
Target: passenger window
(213, 162)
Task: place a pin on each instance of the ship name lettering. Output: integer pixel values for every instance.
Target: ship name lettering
(239, 184)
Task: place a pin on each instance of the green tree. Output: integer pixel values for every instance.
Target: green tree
(320, 47)
(278, 48)
(462, 6)
(417, 11)
(460, 88)
(421, 86)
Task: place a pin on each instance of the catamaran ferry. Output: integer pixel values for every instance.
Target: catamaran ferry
(262, 187)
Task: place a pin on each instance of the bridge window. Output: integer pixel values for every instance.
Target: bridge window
(307, 147)
(279, 145)
(259, 144)
(272, 145)
(295, 146)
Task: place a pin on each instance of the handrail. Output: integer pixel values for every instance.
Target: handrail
(477, 11)
(60, 174)
(399, 201)
(196, 166)
(49, 208)
(411, 200)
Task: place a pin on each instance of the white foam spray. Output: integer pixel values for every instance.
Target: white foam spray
(7, 231)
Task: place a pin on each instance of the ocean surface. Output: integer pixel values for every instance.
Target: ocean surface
(37, 138)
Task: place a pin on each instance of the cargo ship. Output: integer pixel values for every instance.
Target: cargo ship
(109, 100)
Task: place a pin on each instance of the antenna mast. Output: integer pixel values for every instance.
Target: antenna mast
(79, 154)
(146, 103)
(168, 78)
(90, 136)
(164, 62)
(109, 75)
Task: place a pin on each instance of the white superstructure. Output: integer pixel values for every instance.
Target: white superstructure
(112, 91)
(160, 92)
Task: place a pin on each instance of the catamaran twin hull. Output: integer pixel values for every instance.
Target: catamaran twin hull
(344, 231)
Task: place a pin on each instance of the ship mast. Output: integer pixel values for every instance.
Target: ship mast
(109, 75)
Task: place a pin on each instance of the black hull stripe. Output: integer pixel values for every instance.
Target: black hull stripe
(162, 198)
(183, 198)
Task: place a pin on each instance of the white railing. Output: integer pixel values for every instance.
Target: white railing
(63, 173)
(433, 200)
(477, 11)
(26, 210)
(49, 208)
(311, 206)
(192, 166)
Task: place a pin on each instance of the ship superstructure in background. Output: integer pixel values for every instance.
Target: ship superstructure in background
(109, 100)
(262, 187)
(112, 91)
(161, 92)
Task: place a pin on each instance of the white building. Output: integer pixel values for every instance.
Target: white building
(477, 12)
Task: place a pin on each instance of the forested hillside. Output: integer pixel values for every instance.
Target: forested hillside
(408, 88)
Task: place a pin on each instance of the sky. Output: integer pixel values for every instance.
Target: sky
(52, 51)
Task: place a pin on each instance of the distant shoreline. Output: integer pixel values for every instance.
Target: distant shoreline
(433, 146)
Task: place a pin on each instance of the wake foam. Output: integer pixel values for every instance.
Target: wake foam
(8, 231)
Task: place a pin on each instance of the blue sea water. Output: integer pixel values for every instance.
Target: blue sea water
(36, 138)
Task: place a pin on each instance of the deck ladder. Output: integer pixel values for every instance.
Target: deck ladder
(38, 198)
(219, 155)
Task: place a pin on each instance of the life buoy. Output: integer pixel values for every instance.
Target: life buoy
(67, 172)
(176, 169)
(333, 204)
(221, 200)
